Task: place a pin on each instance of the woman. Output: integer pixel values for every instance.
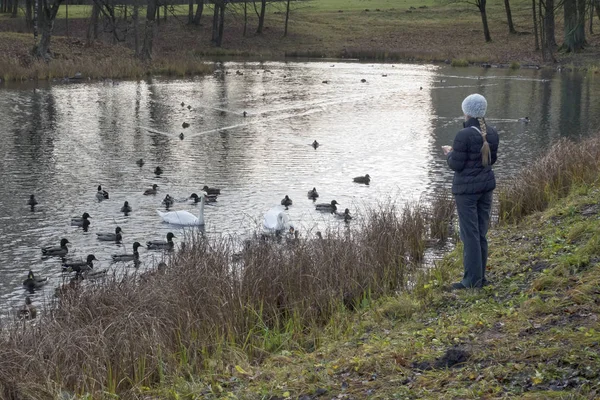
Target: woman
(471, 156)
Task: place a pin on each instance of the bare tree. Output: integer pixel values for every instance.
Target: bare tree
(29, 13)
(546, 11)
(199, 11)
(151, 9)
(287, 17)
(92, 33)
(136, 15)
(15, 8)
(511, 27)
(190, 12)
(261, 16)
(535, 25)
(480, 4)
(574, 16)
(246, 16)
(46, 16)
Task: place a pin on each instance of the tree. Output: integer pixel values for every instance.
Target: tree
(92, 33)
(199, 10)
(47, 10)
(261, 16)
(190, 12)
(511, 27)
(480, 4)
(574, 16)
(287, 17)
(151, 8)
(546, 22)
(136, 15)
(28, 13)
(535, 26)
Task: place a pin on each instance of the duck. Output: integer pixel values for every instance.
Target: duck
(101, 194)
(524, 119)
(286, 201)
(276, 220)
(327, 207)
(80, 266)
(81, 221)
(151, 191)
(184, 218)
(168, 201)
(315, 144)
(245, 113)
(344, 215)
(363, 80)
(32, 202)
(33, 282)
(182, 104)
(158, 170)
(28, 311)
(312, 194)
(362, 179)
(128, 257)
(209, 198)
(181, 136)
(59, 251)
(189, 107)
(161, 244)
(109, 236)
(209, 190)
(126, 208)
(140, 162)
(185, 125)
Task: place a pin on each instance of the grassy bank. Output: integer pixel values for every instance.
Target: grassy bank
(370, 30)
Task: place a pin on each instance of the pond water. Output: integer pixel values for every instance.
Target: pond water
(61, 141)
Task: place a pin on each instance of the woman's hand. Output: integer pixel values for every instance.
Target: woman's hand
(446, 149)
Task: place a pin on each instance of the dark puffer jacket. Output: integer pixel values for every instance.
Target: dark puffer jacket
(470, 176)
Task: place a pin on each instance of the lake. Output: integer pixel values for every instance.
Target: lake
(60, 141)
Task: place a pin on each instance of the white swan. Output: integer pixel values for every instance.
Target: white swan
(184, 218)
(276, 220)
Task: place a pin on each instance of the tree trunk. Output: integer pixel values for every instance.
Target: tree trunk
(215, 25)
(157, 15)
(190, 12)
(597, 7)
(486, 29)
(574, 41)
(581, 20)
(28, 14)
(287, 17)
(550, 31)
(261, 17)
(246, 16)
(35, 22)
(535, 26)
(67, 17)
(47, 24)
(165, 12)
(221, 24)
(136, 14)
(511, 27)
(151, 9)
(92, 33)
(547, 43)
(15, 8)
(199, 11)
(591, 17)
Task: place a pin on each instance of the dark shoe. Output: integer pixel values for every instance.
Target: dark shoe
(486, 283)
(457, 286)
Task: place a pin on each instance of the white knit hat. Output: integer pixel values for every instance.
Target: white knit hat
(474, 105)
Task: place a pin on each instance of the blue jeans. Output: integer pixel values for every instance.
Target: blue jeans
(474, 218)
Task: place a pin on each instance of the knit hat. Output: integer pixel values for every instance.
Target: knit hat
(474, 105)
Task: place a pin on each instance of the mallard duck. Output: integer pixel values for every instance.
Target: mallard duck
(363, 80)
(101, 194)
(181, 136)
(344, 215)
(140, 162)
(327, 207)
(245, 113)
(286, 201)
(524, 119)
(209, 190)
(161, 244)
(151, 191)
(315, 144)
(126, 208)
(81, 221)
(32, 202)
(185, 125)
(209, 198)
(28, 311)
(168, 201)
(182, 104)
(128, 257)
(189, 107)
(362, 179)
(312, 194)
(80, 266)
(111, 237)
(59, 251)
(33, 282)
(158, 170)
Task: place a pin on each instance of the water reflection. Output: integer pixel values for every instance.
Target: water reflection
(61, 141)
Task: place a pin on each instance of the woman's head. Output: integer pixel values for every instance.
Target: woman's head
(475, 106)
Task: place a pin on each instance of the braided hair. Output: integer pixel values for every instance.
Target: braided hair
(486, 156)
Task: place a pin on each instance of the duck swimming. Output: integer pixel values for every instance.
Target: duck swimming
(315, 144)
(185, 125)
(286, 201)
(128, 257)
(140, 162)
(32, 282)
(28, 311)
(59, 251)
(363, 179)
(151, 191)
(168, 201)
(81, 221)
(209, 198)
(101, 194)
(344, 215)
(32, 202)
(312, 194)
(158, 170)
(209, 190)
(327, 207)
(111, 237)
(181, 136)
(126, 208)
(80, 266)
(161, 244)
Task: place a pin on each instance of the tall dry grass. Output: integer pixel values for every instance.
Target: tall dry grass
(566, 164)
(210, 309)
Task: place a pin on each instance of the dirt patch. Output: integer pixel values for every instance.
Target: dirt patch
(454, 357)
